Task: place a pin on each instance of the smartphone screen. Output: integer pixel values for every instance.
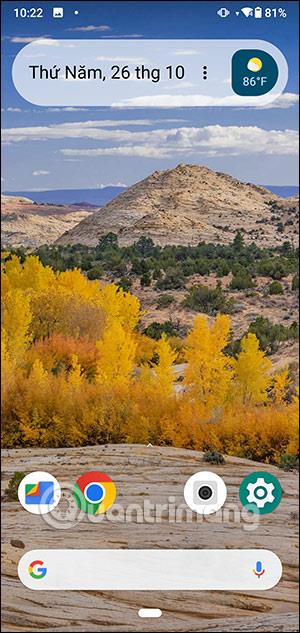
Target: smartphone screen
(149, 316)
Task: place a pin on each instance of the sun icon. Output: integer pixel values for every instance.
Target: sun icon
(254, 64)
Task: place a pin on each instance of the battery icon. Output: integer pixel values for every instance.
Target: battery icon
(258, 12)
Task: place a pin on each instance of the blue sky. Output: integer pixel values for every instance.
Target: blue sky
(54, 148)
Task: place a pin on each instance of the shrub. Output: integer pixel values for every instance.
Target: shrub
(295, 282)
(155, 329)
(242, 281)
(275, 288)
(139, 266)
(274, 267)
(213, 457)
(108, 241)
(13, 485)
(209, 300)
(125, 283)
(144, 246)
(95, 273)
(164, 301)
(145, 280)
(289, 462)
(157, 274)
(222, 268)
(173, 280)
(202, 266)
(271, 334)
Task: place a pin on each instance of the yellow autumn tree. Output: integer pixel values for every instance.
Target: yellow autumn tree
(30, 275)
(16, 319)
(116, 356)
(164, 375)
(76, 284)
(121, 306)
(35, 275)
(75, 374)
(252, 372)
(208, 373)
(281, 383)
(8, 369)
(38, 376)
(11, 274)
(59, 310)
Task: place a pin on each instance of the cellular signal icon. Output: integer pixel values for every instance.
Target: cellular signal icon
(247, 11)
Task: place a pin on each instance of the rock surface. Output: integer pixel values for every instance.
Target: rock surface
(147, 473)
(187, 204)
(25, 223)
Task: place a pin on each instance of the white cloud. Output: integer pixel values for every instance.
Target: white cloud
(181, 101)
(187, 51)
(68, 109)
(38, 55)
(112, 184)
(43, 40)
(122, 37)
(286, 100)
(79, 129)
(14, 110)
(142, 151)
(41, 172)
(135, 60)
(102, 28)
(113, 139)
(211, 140)
(22, 40)
(46, 42)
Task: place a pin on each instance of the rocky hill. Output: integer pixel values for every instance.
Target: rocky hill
(25, 223)
(153, 475)
(187, 204)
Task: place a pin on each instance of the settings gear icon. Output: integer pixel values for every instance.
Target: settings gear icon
(260, 492)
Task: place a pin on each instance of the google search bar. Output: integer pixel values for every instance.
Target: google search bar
(149, 570)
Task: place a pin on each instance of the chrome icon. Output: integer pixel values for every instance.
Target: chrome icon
(94, 492)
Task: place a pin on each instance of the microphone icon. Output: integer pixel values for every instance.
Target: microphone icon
(258, 571)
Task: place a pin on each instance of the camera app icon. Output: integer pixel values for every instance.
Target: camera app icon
(205, 492)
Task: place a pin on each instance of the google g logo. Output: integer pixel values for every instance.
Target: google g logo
(36, 569)
(94, 492)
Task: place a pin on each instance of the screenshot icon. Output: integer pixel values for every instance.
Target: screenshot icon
(205, 492)
(58, 12)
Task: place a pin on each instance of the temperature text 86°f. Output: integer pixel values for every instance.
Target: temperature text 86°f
(253, 81)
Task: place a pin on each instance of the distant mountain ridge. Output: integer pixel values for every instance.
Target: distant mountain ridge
(285, 191)
(94, 197)
(100, 197)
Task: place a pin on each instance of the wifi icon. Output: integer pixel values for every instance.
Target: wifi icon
(247, 11)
